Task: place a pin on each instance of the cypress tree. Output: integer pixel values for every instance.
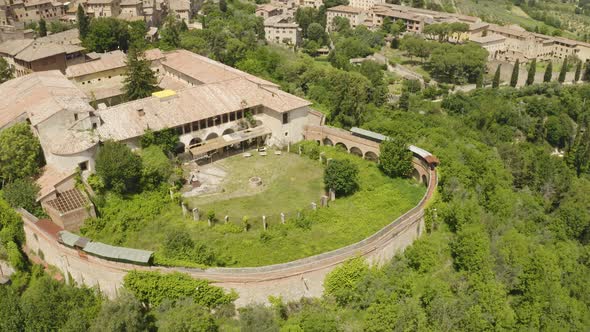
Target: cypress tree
(578, 72)
(586, 76)
(532, 71)
(496, 81)
(548, 73)
(83, 22)
(140, 81)
(515, 72)
(563, 71)
(42, 28)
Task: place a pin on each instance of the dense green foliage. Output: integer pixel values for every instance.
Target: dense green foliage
(12, 236)
(83, 22)
(106, 34)
(152, 288)
(6, 71)
(530, 79)
(515, 73)
(20, 153)
(341, 176)
(395, 159)
(118, 167)
(156, 167)
(140, 81)
(22, 193)
(166, 139)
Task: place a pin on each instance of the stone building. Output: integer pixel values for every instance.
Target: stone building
(267, 10)
(355, 16)
(282, 30)
(52, 52)
(33, 10)
(203, 100)
(103, 8)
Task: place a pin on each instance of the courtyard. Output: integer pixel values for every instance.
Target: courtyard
(289, 184)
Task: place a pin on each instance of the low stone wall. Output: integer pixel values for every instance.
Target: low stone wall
(291, 281)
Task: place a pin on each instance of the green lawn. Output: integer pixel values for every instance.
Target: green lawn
(292, 183)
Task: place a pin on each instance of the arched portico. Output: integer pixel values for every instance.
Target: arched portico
(328, 142)
(342, 146)
(356, 151)
(372, 156)
(211, 136)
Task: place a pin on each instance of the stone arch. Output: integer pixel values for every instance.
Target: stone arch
(228, 131)
(356, 151)
(372, 156)
(425, 180)
(195, 140)
(341, 145)
(328, 142)
(211, 136)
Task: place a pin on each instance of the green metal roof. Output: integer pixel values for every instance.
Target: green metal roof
(367, 133)
(118, 253)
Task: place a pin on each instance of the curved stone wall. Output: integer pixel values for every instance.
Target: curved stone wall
(291, 280)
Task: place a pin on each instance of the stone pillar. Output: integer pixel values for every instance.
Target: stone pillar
(209, 222)
(328, 161)
(314, 206)
(300, 150)
(264, 222)
(184, 209)
(171, 194)
(322, 156)
(332, 195)
(324, 201)
(196, 214)
(282, 218)
(226, 219)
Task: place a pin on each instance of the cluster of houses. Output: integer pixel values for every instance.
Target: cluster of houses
(505, 43)
(14, 14)
(214, 108)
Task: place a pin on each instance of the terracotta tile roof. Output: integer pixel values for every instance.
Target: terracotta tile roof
(13, 47)
(345, 9)
(107, 61)
(49, 178)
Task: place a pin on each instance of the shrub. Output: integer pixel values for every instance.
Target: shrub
(166, 139)
(341, 176)
(154, 287)
(341, 282)
(395, 160)
(118, 167)
(22, 193)
(20, 153)
(156, 167)
(310, 149)
(179, 245)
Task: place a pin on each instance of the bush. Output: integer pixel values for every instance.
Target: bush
(310, 149)
(341, 282)
(341, 176)
(153, 288)
(166, 139)
(20, 153)
(118, 167)
(179, 245)
(395, 160)
(156, 167)
(22, 193)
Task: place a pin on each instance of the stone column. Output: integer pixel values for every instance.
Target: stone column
(314, 206)
(226, 219)
(196, 214)
(332, 195)
(184, 209)
(264, 222)
(324, 201)
(282, 218)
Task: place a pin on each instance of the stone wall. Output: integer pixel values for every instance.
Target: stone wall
(291, 281)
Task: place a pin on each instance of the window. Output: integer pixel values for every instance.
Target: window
(83, 165)
(75, 116)
(232, 116)
(187, 128)
(285, 118)
(94, 125)
(203, 124)
(140, 112)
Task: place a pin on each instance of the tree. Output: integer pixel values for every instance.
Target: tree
(254, 318)
(578, 72)
(585, 77)
(42, 28)
(118, 167)
(20, 153)
(83, 22)
(316, 33)
(496, 80)
(341, 283)
(341, 176)
(22, 193)
(107, 34)
(395, 159)
(515, 72)
(140, 81)
(548, 73)
(532, 71)
(6, 71)
(137, 31)
(123, 314)
(156, 168)
(184, 315)
(170, 33)
(166, 139)
(563, 71)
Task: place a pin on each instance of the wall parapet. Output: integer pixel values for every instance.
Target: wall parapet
(291, 280)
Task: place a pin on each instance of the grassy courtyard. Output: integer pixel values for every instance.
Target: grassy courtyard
(291, 183)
